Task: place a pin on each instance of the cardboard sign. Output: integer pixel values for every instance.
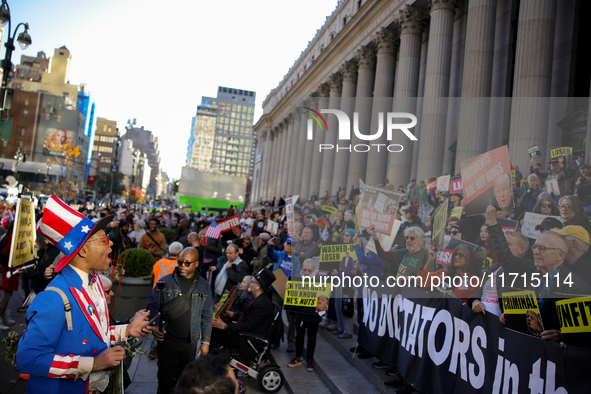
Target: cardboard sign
(530, 221)
(444, 256)
(22, 247)
(487, 181)
(534, 151)
(443, 183)
(378, 208)
(431, 185)
(522, 313)
(328, 208)
(557, 152)
(456, 185)
(229, 224)
(302, 296)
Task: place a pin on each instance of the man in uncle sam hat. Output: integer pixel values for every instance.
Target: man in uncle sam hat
(67, 346)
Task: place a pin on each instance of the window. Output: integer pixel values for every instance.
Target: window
(4, 143)
(109, 129)
(46, 116)
(21, 144)
(23, 131)
(104, 127)
(25, 114)
(26, 101)
(59, 118)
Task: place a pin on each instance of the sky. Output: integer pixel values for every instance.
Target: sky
(154, 60)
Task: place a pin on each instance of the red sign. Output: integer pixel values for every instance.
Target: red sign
(456, 185)
(229, 224)
(431, 185)
(91, 180)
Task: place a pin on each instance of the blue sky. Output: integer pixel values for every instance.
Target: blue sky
(153, 60)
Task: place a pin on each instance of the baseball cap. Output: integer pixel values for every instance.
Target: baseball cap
(289, 240)
(575, 231)
(549, 223)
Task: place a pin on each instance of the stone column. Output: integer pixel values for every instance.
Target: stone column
(287, 131)
(331, 138)
(278, 157)
(377, 161)
(366, 57)
(342, 156)
(532, 79)
(273, 164)
(308, 150)
(267, 160)
(422, 72)
(319, 137)
(299, 164)
(478, 63)
(293, 147)
(406, 86)
(436, 89)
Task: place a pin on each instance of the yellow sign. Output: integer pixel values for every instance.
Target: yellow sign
(22, 248)
(439, 219)
(512, 174)
(328, 208)
(574, 315)
(457, 212)
(561, 152)
(336, 252)
(519, 302)
(305, 293)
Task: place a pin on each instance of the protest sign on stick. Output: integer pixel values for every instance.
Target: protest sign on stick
(22, 247)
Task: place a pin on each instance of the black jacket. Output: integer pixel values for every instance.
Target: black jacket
(257, 318)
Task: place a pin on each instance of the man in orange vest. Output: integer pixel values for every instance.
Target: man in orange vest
(163, 267)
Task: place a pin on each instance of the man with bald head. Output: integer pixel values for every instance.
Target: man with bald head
(232, 272)
(187, 315)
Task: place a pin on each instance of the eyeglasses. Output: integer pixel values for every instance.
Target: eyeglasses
(183, 263)
(106, 238)
(542, 249)
(566, 206)
(546, 205)
(462, 255)
(454, 232)
(409, 237)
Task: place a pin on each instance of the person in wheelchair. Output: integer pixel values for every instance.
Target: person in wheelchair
(257, 319)
(242, 302)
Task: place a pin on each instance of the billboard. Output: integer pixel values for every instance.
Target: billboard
(55, 139)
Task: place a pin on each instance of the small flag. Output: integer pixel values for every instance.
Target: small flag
(213, 231)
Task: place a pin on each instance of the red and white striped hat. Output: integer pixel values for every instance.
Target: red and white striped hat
(67, 228)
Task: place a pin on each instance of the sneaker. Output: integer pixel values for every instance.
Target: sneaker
(310, 365)
(380, 365)
(153, 354)
(344, 335)
(324, 323)
(295, 362)
(392, 371)
(8, 322)
(337, 332)
(290, 349)
(3, 327)
(332, 327)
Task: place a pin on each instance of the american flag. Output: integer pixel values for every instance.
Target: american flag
(213, 231)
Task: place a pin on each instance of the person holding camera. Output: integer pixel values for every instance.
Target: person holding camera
(187, 310)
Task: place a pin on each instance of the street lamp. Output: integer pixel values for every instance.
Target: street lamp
(23, 39)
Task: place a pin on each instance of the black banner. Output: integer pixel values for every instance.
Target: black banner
(441, 346)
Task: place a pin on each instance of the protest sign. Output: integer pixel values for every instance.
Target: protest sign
(552, 186)
(486, 181)
(534, 151)
(456, 185)
(378, 208)
(280, 281)
(302, 295)
(557, 152)
(507, 224)
(290, 216)
(443, 258)
(385, 240)
(522, 313)
(328, 208)
(443, 183)
(530, 221)
(574, 316)
(336, 252)
(457, 212)
(273, 227)
(229, 224)
(431, 184)
(22, 247)
(439, 221)
(440, 346)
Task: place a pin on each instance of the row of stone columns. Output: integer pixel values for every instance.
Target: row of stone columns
(391, 67)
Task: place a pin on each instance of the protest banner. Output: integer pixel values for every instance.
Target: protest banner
(574, 315)
(290, 216)
(302, 295)
(329, 208)
(431, 184)
(486, 181)
(530, 221)
(378, 208)
(443, 258)
(534, 151)
(439, 221)
(443, 183)
(456, 185)
(441, 346)
(522, 313)
(457, 212)
(552, 186)
(564, 151)
(22, 246)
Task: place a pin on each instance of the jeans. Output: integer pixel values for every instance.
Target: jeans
(312, 328)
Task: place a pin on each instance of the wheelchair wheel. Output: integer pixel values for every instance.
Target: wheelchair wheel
(270, 379)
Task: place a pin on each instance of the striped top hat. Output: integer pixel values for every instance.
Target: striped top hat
(67, 228)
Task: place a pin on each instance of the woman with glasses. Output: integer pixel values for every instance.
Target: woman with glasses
(546, 205)
(465, 265)
(572, 212)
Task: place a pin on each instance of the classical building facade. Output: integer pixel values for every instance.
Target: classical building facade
(477, 74)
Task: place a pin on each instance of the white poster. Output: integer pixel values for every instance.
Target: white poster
(530, 221)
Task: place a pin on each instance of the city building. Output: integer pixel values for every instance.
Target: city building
(31, 68)
(220, 153)
(418, 51)
(105, 142)
(145, 142)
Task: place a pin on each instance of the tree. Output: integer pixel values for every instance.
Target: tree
(136, 195)
(102, 183)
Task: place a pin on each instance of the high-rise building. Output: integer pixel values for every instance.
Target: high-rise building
(32, 68)
(105, 139)
(223, 133)
(147, 143)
